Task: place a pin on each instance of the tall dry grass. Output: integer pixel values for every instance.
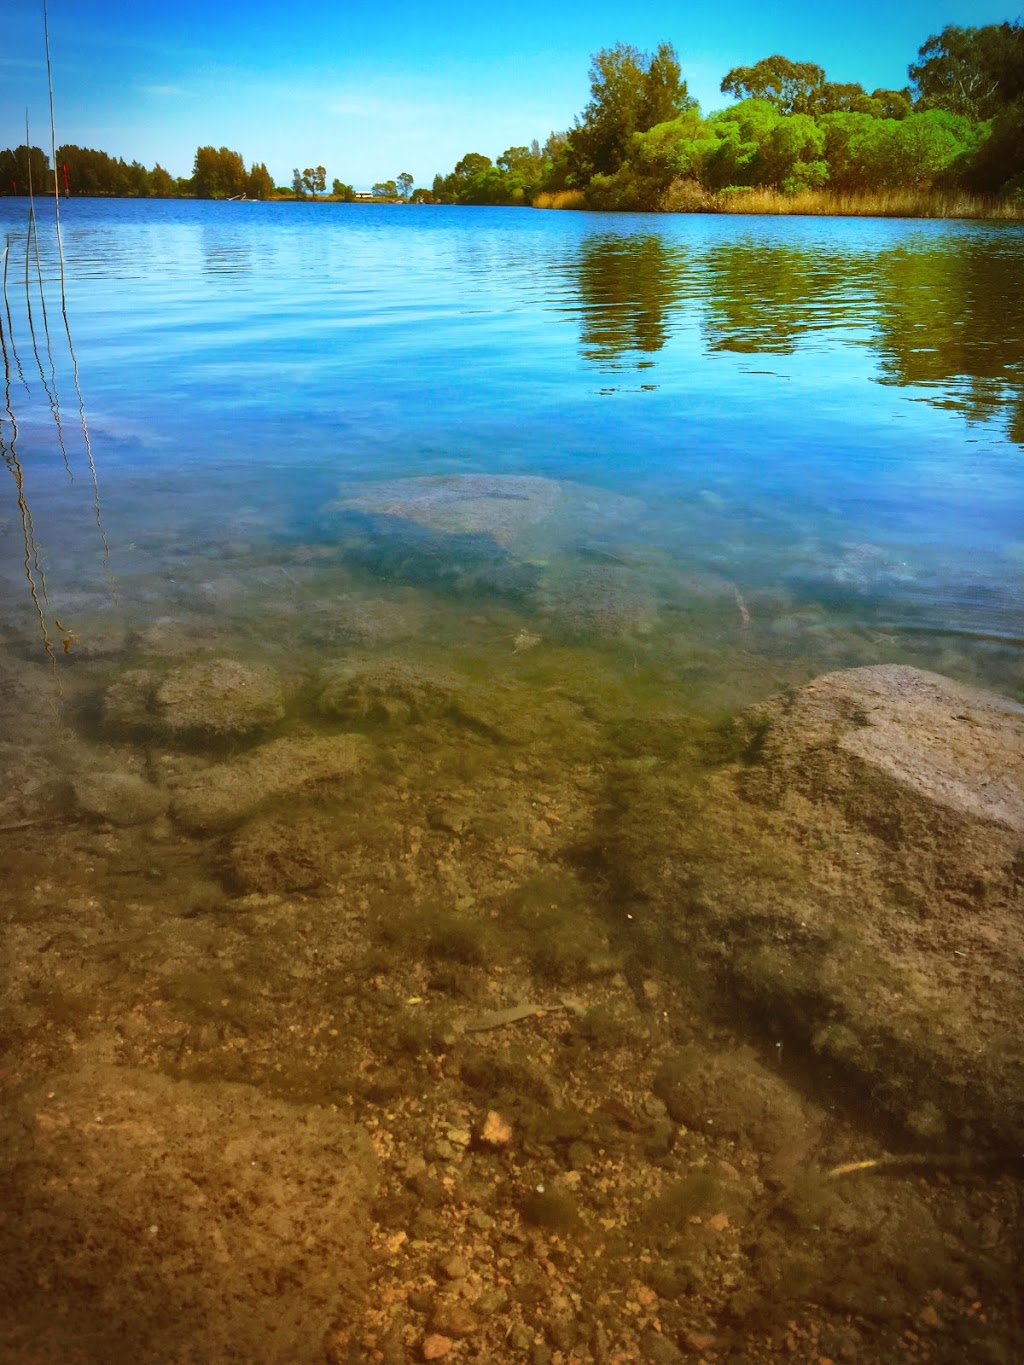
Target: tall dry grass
(560, 199)
(686, 196)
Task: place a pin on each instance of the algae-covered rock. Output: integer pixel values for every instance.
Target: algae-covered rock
(208, 700)
(503, 507)
(391, 691)
(394, 692)
(218, 698)
(585, 600)
(730, 1094)
(858, 879)
(122, 798)
(143, 1218)
(128, 703)
(224, 794)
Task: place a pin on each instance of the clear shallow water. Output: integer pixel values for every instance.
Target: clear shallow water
(830, 411)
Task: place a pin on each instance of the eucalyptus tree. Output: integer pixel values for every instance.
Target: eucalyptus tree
(976, 72)
(792, 87)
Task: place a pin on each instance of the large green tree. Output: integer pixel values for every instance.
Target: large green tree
(260, 184)
(218, 173)
(976, 72)
(314, 179)
(792, 87)
(631, 91)
(23, 167)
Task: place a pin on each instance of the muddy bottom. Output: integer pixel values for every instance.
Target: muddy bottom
(339, 1027)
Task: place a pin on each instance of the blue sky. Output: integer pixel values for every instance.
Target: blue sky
(373, 88)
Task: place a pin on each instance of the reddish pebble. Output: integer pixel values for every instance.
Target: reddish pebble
(435, 1347)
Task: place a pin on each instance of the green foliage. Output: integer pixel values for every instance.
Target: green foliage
(790, 87)
(259, 185)
(998, 163)
(464, 184)
(404, 183)
(162, 184)
(975, 72)
(314, 179)
(920, 150)
(385, 189)
(346, 193)
(218, 173)
(631, 92)
(24, 166)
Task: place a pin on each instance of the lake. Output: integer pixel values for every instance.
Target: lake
(375, 578)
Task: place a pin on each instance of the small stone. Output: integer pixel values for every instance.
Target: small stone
(453, 1319)
(658, 1350)
(483, 1222)
(496, 1131)
(460, 1136)
(434, 1347)
(455, 1267)
(490, 1301)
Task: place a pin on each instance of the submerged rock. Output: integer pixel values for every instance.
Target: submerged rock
(503, 507)
(218, 698)
(470, 532)
(224, 794)
(301, 850)
(859, 879)
(584, 601)
(396, 692)
(122, 798)
(206, 700)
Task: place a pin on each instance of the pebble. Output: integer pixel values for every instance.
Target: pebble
(434, 1347)
(455, 1267)
(453, 1319)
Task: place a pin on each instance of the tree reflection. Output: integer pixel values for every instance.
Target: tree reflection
(953, 320)
(628, 288)
(947, 315)
(764, 299)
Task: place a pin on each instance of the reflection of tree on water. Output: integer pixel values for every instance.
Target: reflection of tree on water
(763, 298)
(953, 320)
(628, 286)
(948, 316)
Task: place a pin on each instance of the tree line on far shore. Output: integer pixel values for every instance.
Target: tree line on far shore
(217, 173)
(643, 144)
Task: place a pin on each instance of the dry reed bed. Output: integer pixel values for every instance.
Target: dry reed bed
(687, 196)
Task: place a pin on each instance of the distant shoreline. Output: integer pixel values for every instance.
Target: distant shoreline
(690, 198)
